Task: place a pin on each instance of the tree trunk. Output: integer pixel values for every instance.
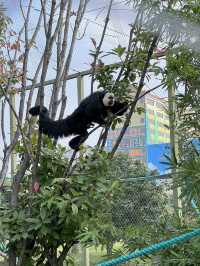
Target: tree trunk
(52, 258)
(12, 256)
(109, 248)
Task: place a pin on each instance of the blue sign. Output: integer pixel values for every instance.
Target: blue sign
(155, 156)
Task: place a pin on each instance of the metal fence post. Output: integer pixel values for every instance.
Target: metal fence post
(174, 145)
(80, 88)
(80, 95)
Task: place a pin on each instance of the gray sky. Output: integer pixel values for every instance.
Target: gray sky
(93, 21)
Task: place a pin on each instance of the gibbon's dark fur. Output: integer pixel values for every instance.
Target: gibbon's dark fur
(91, 110)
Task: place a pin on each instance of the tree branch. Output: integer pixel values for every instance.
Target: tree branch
(98, 49)
(36, 30)
(80, 13)
(60, 59)
(25, 63)
(63, 255)
(140, 86)
(40, 95)
(2, 124)
(130, 47)
(43, 4)
(18, 123)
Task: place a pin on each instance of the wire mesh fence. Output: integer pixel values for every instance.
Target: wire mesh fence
(144, 214)
(142, 203)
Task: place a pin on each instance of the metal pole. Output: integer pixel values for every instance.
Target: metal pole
(52, 81)
(80, 88)
(174, 145)
(80, 96)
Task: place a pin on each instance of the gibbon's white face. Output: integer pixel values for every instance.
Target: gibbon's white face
(108, 99)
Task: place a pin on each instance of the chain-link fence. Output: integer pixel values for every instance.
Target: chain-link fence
(143, 214)
(142, 203)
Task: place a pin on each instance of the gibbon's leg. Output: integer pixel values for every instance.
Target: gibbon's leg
(77, 141)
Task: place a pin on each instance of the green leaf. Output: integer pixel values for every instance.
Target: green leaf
(119, 50)
(43, 213)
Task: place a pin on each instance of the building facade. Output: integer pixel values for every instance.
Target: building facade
(147, 132)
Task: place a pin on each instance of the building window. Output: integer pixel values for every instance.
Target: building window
(159, 114)
(142, 131)
(136, 152)
(127, 131)
(134, 132)
(161, 134)
(142, 120)
(137, 141)
(151, 122)
(125, 143)
(151, 112)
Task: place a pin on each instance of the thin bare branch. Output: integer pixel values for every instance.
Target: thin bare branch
(67, 171)
(104, 137)
(40, 96)
(80, 13)
(140, 86)
(47, 53)
(25, 63)
(43, 5)
(100, 139)
(32, 86)
(17, 179)
(129, 54)
(22, 11)
(3, 124)
(36, 30)
(60, 60)
(150, 90)
(66, 32)
(98, 49)
(63, 104)
(5, 163)
(18, 123)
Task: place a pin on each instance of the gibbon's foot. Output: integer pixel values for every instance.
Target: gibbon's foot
(77, 141)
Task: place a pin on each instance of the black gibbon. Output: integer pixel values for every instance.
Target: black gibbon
(93, 109)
